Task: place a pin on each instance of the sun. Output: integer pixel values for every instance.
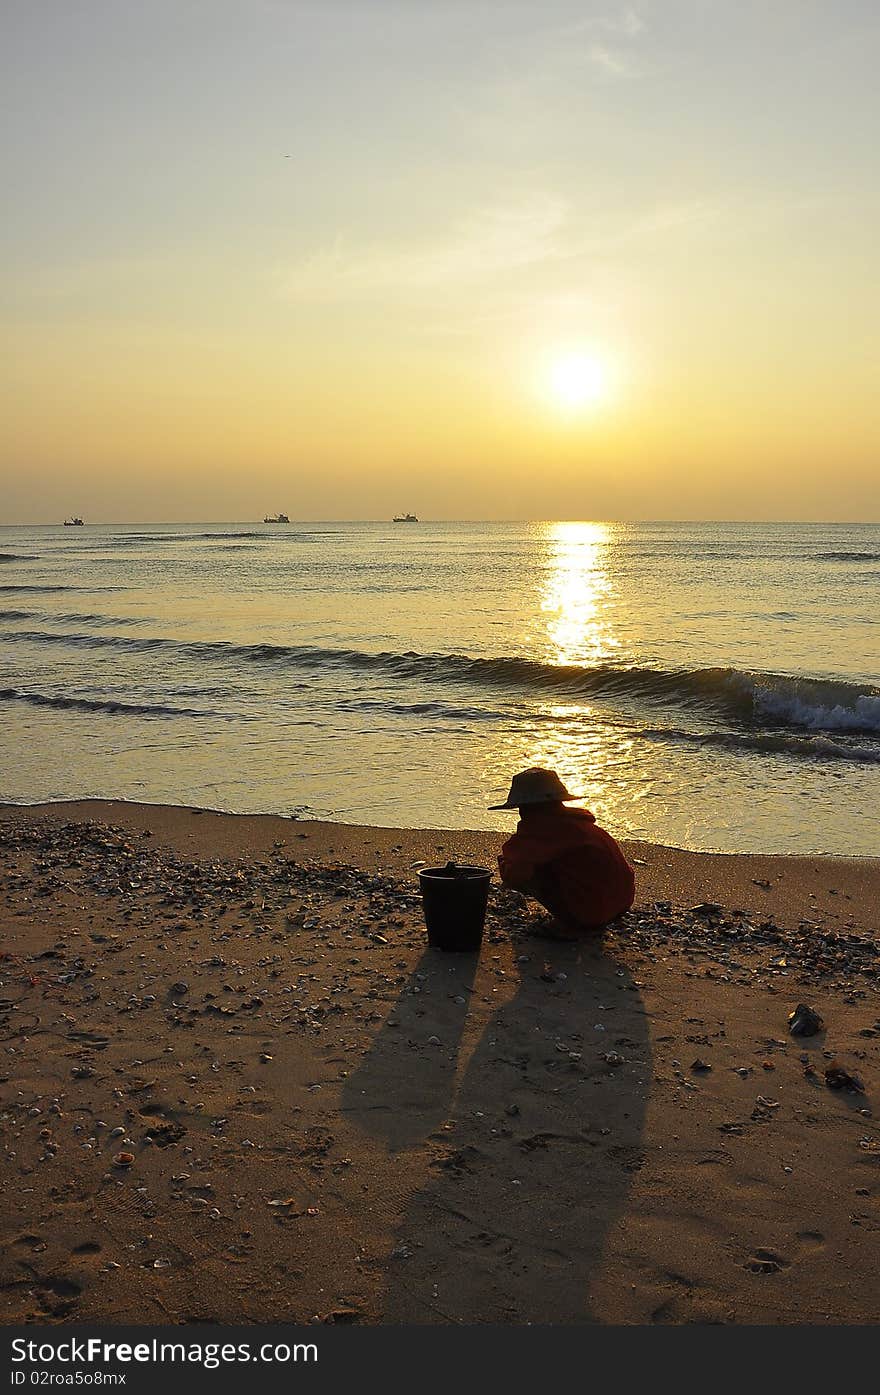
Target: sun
(577, 381)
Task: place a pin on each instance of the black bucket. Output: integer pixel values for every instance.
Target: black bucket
(454, 902)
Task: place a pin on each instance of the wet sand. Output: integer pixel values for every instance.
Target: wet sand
(236, 1085)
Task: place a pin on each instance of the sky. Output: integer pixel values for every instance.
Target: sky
(475, 260)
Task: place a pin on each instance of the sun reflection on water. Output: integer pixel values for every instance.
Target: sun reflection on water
(576, 607)
(577, 594)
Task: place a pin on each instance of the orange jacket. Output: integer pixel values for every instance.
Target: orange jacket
(577, 870)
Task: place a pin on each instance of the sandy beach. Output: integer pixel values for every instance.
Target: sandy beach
(237, 1086)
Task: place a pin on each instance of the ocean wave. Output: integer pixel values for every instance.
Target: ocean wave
(662, 552)
(848, 556)
(441, 710)
(125, 540)
(768, 743)
(110, 705)
(762, 698)
(805, 706)
(43, 587)
(139, 539)
(74, 617)
(86, 641)
(18, 556)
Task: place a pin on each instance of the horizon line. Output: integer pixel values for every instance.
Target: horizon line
(238, 522)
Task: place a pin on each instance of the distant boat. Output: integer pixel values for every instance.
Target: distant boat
(279, 518)
(73, 523)
(404, 518)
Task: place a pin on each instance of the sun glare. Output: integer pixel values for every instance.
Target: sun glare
(577, 381)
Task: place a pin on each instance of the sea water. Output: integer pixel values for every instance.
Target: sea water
(708, 686)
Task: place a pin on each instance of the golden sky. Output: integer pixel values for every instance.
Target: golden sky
(478, 260)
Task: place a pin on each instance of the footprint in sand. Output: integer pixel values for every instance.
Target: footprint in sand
(60, 1285)
(811, 1240)
(668, 1312)
(56, 1294)
(767, 1262)
(30, 1242)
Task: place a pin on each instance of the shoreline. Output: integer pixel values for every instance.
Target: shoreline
(799, 882)
(100, 802)
(238, 1086)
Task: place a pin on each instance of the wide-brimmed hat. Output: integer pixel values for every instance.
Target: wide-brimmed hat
(535, 786)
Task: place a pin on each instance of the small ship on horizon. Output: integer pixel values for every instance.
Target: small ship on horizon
(278, 518)
(73, 523)
(404, 518)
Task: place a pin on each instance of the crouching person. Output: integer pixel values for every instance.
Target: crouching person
(562, 858)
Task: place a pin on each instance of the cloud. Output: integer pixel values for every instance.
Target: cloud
(490, 244)
(608, 60)
(610, 41)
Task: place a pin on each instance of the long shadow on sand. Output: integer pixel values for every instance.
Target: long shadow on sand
(403, 1089)
(544, 1140)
